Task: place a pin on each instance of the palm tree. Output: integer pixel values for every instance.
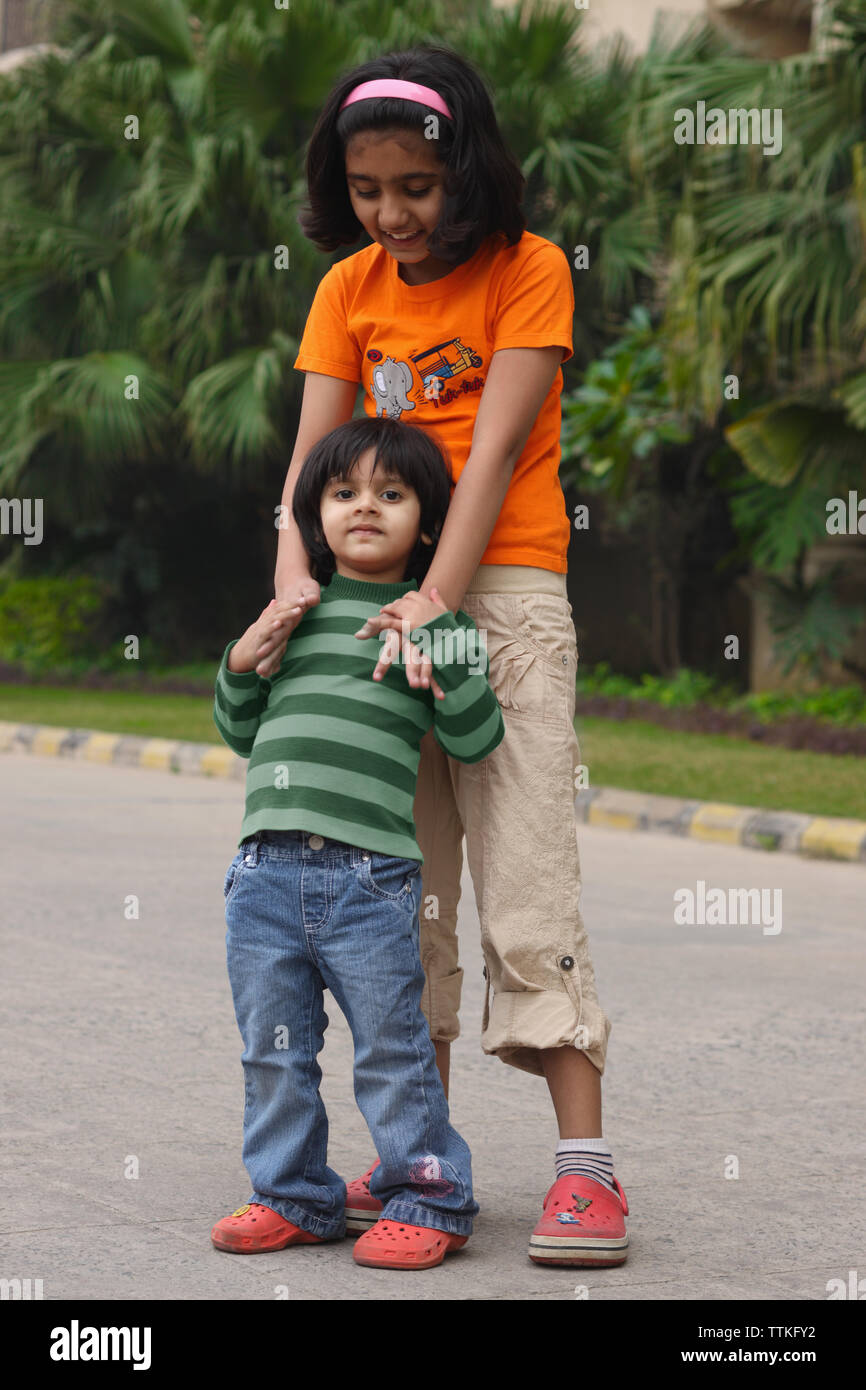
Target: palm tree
(155, 278)
(758, 274)
(155, 281)
(767, 283)
(150, 178)
(154, 275)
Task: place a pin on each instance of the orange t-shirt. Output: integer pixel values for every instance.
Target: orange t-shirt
(422, 353)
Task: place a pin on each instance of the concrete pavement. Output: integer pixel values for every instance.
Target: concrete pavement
(815, 837)
(732, 1050)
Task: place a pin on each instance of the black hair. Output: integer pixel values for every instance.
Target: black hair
(406, 450)
(483, 184)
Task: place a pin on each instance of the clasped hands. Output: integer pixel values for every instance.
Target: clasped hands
(270, 634)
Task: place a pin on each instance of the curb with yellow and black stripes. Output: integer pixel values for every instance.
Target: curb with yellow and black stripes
(817, 837)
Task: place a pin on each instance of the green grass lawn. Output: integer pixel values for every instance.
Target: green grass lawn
(636, 755)
(113, 711)
(711, 767)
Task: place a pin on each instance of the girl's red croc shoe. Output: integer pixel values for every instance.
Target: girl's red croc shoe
(254, 1228)
(394, 1245)
(582, 1224)
(362, 1210)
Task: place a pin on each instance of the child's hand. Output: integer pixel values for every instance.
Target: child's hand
(403, 616)
(271, 629)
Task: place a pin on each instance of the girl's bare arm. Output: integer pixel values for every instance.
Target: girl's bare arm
(328, 401)
(518, 381)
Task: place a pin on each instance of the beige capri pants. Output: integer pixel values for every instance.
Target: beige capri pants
(516, 808)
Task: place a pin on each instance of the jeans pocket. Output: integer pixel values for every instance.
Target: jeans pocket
(233, 876)
(388, 877)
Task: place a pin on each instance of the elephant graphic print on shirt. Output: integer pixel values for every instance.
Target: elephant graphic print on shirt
(390, 386)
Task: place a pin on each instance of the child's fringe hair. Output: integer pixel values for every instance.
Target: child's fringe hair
(405, 450)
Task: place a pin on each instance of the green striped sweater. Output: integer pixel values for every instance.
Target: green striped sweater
(336, 753)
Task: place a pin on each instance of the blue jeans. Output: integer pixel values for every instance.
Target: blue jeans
(304, 914)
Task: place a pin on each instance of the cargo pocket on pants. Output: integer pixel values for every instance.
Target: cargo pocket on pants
(529, 678)
(517, 680)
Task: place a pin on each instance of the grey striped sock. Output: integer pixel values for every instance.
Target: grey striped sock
(586, 1158)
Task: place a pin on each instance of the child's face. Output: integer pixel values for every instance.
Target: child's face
(395, 186)
(389, 510)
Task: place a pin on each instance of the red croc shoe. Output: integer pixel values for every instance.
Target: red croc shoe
(254, 1228)
(582, 1224)
(362, 1210)
(394, 1245)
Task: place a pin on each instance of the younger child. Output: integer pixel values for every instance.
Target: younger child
(325, 889)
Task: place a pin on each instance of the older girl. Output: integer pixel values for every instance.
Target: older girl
(457, 319)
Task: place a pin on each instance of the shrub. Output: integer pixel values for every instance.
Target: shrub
(686, 689)
(50, 622)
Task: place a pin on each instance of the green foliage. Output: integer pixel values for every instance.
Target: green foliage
(144, 325)
(842, 705)
(769, 267)
(47, 624)
(810, 626)
(760, 278)
(621, 414)
(152, 259)
(600, 679)
(798, 457)
(685, 688)
(775, 524)
(680, 691)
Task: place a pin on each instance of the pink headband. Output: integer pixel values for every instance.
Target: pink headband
(396, 87)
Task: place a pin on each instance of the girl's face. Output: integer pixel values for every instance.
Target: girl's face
(370, 521)
(395, 186)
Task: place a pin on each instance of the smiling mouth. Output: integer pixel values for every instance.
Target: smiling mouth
(404, 240)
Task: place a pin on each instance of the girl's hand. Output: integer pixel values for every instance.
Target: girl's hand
(402, 616)
(304, 586)
(277, 621)
(282, 616)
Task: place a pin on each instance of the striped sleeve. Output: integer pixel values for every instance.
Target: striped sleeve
(239, 700)
(468, 723)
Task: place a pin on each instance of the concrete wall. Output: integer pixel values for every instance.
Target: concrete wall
(771, 27)
(22, 22)
(635, 18)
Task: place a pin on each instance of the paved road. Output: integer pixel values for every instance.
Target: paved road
(120, 1044)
